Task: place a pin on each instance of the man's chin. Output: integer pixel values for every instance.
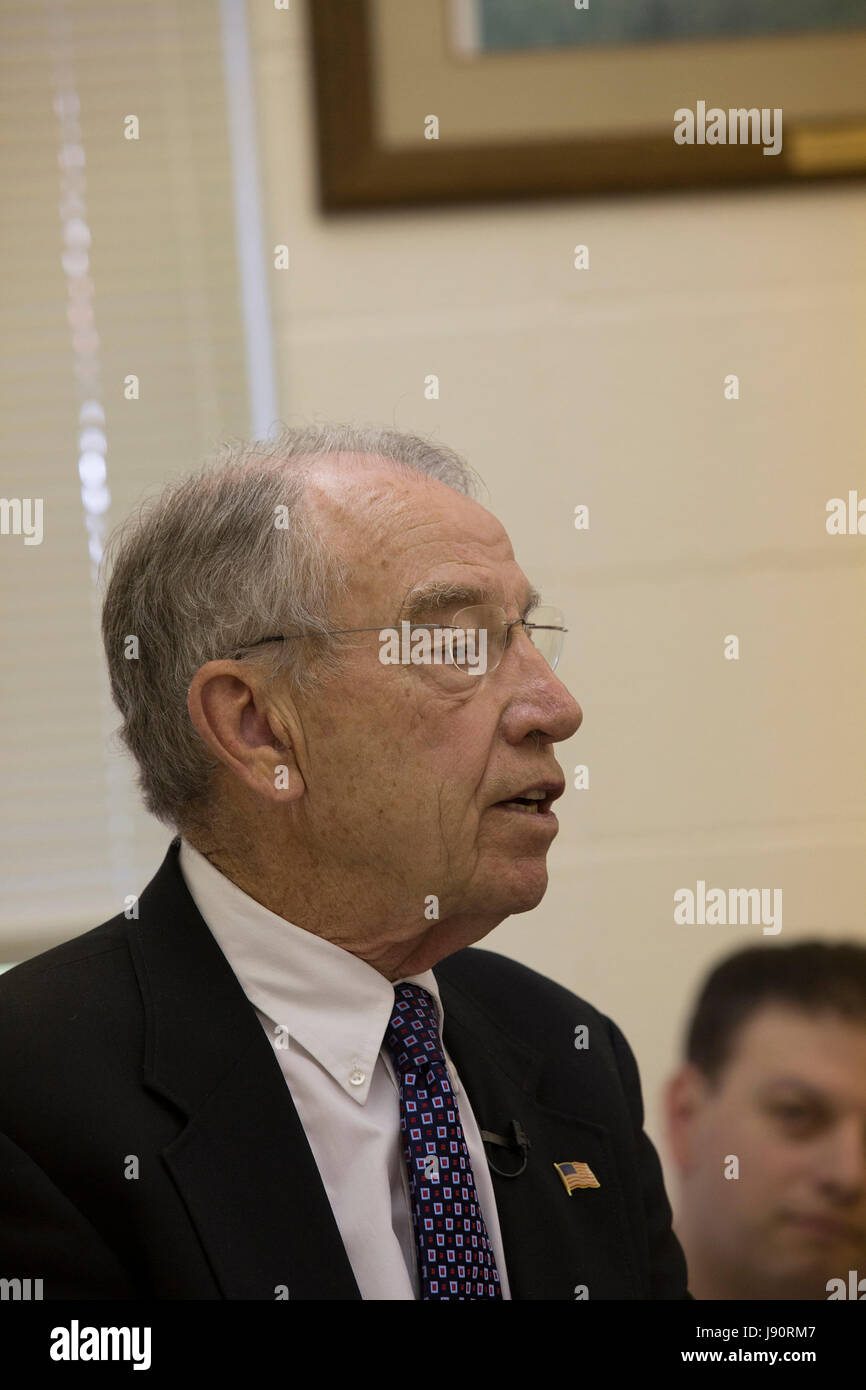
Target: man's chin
(519, 889)
(802, 1273)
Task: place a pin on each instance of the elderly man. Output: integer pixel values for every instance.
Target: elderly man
(285, 1073)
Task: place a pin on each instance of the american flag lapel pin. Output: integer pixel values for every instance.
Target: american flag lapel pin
(576, 1175)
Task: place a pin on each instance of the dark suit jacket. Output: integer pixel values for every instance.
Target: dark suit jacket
(136, 1040)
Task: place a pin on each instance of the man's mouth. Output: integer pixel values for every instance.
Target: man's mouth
(534, 801)
(530, 804)
(823, 1227)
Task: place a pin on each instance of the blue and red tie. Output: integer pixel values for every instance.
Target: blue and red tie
(455, 1257)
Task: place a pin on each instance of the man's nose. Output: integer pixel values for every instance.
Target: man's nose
(843, 1163)
(562, 715)
(569, 715)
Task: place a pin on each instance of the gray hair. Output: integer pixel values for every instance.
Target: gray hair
(204, 571)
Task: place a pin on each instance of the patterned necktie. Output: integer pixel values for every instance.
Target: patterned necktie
(455, 1257)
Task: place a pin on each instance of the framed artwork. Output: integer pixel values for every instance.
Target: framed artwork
(444, 100)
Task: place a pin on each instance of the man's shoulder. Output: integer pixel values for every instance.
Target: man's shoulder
(63, 1014)
(71, 1040)
(497, 984)
(43, 974)
(506, 1004)
(94, 955)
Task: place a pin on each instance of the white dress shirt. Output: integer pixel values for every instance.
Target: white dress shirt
(325, 1012)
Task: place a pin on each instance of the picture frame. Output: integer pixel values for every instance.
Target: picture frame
(564, 122)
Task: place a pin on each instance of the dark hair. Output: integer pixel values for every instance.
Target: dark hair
(813, 976)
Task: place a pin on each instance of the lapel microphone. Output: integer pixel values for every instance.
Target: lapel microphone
(518, 1144)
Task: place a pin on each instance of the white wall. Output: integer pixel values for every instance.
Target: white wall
(707, 518)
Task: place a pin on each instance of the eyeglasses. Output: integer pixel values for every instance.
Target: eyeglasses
(473, 644)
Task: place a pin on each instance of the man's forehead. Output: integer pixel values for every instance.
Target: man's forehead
(402, 526)
(786, 1045)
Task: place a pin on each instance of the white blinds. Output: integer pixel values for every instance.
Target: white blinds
(123, 264)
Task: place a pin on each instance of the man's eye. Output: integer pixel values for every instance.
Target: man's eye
(793, 1114)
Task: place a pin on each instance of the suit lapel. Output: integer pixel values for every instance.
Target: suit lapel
(242, 1165)
(557, 1244)
(244, 1168)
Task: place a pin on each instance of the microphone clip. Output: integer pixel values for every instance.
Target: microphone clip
(518, 1144)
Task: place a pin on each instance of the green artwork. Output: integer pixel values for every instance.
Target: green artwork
(499, 25)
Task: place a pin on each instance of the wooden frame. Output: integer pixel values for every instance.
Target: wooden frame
(358, 169)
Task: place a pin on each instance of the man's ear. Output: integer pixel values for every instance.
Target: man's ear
(684, 1099)
(245, 731)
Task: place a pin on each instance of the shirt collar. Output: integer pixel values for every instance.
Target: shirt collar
(334, 1004)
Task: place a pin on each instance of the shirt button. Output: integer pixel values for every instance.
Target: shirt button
(357, 1077)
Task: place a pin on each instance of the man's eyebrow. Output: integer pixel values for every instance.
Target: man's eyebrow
(439, 595)
(805, 1089)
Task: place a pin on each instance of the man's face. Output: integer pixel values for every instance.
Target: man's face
(791, 1105)
(403, 776)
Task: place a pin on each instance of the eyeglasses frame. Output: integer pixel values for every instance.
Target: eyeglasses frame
(340, 631)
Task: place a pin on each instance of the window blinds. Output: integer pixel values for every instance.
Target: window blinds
(118, 261)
